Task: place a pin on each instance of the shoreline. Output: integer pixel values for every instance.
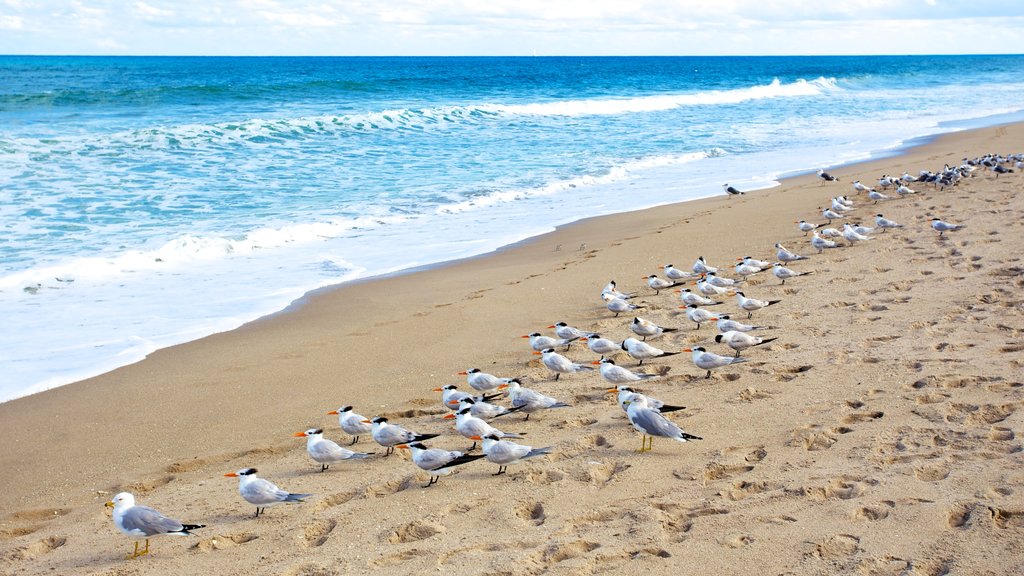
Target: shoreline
(165, 425)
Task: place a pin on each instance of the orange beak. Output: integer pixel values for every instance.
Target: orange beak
(438, 389)
(299, 434)
(535, 353)
(334, 412)
(463, 373)
(715, 319)
(231, 475)
(552, 326)
(365, 421)
(687, 350)
(502, 386)
(448, 416)
(406, 446)
(610, 390)
(477, 438)
(527, 336)
(596, 362)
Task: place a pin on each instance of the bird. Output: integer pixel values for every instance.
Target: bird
(391, 435)
(884, 223)
(939, 226)
(566, 332)
(645, 328)
(530, 401)
(539, 342)
(469, 426)
(826, 177)
(482, 381)
(852, 236)
(876, 196)
(858, 187)
(643, 351)
(611, 290)
(618, 305)
(451, 395)
(650, 423)
(743, 268)
(262, 493)
(673, 273)
(740, 341)
(709, 360)
(143, 522)
(324, 451)
(436, 461)
(820, 243)
(618, 374)
(725, 324)
(721, 281)
(902, 191)
(485, 410)
(504, 452)
(886, 181)
(752, 304)
(624, 392)
(861, 229)
(839, 206)
(786, 256)
(701, 266)
(783, 273)
(600, 345)
(560, 364)
(831, 215)
(806, 227)
(658, 284)
(830, 233)
(698, 315)
(689, 297)
(351, 423)
(731, 191)
(708, 289)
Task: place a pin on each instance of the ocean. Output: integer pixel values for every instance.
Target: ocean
(150, 201)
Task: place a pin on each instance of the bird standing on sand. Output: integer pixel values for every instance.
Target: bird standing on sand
(143, 522)
(391, 435)
(602, 346)
(530, 401)
(783, 273)
(820, 243)
(852, 236)
(650, 423)
(436, 461)
(725, 324)
(806, 226)
(351, 423)
(469, 426)
(566, 332)
(831, 215)
(826, 177)
(618, 374)
(643, 351)
(451, 396)
(560, 364)
(624, 392)
(673, 273)
(324, 451)
(689, 297)
(262, 493)
(539, 341)
(884, 223)
(699, 315)
(618, 305)
(482, 381)
(658, 284)
(751, 305)
(876, 196)
(939, 226)
(701, 266)
(731, 191)
(709, 361)
(503, 452)
(785, 256)
(645, 328)
(740, 341)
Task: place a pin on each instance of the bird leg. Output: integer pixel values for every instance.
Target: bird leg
(324, 467)
(557, 374)
(389, 450)
(473, 447)
(257, 511)
(708, 375)
(646, 446)
(501, 470)
(354, 440)
(749, 314)
(136, 553)
(433, 480)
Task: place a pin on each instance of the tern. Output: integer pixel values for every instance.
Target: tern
(262, 493)
(884, 223)
(698, 315)
(701, 266)
(852, 236)
(351, 423)
(826, 177)
(618, 305)
(907, 178)
(752, 304)
(436, 461)
(709, 361)
(645, 328)
(643, 351)
(806, 227)
(904, 191)
(861, 229)
(740, 341)
(858, 187)
(673, 273)
(731, 191)
(831, 233)
(451, 395)
(566, 332)
(391, 435)
(876, 196)
(618, 374)
(831, 215)
(725, 324)
(324, 451)
(650, 423)
(624, 392)
(602, 346)
(708, 289)
(840, 207)
(503, 452)
(786, 256)
(939, 226)
(750, 261)
(783, 273)
(689, 297)
(744, 269)
(720, 281)
(560, 364)
(482, 381)
(539, 342)
(469, 426)
(658, 284)
(143, 522)
(531, 401)
(820, 243)
(612, 291)
(485, 410)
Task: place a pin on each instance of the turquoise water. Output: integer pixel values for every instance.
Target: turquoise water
(149, 201)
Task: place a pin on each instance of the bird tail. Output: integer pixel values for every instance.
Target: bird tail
(738, 359)
(770, 302)
(686, 436)
(670, 408)
(187, 528)
(765, 341)
(296, 497)
(420, 437)
(670, 353)
(367, 454)
(580, 367)
(559, 405)
(648, 376)
(512, 434)
(538, 452)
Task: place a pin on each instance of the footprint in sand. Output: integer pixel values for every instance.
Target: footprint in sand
(223, 541)
(414, 531)
(317, 532)
(38, 548)
(532, 512)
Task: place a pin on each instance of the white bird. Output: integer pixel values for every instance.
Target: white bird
(701, 266)
(725, 324)
(744, 269)
(806, 227)
(673, 273)
(482, 381)
(852, 236)
(503, 452)
(618, 374)
(643, 351)
(740, 341)
(484, 410)
(709, 361)
(351, 423)
(831, 233)
(861, 229)
(844, 201)
(530, 401)
(720, 281)
(831, 215)
(469, 426)
(540, 342)
(752, 304)
(820, 243)
(560, 364)
(826, 177)
(699, 315)
(644, 328)
(939, 226)
(451, 396)
(658, 284)
(436, 461)
(876, 196)
(689, 297)
(143, 522)
(566, 332)
(708, 289)
(885, 181)
(624, 391)
(783, 273)
(840, 207)
(858, 187)
(650, 423)
(762, 264)
(262, 493)
(904, 191)
(391, 435)
(907, 178)
(324, 451)
(731, 191)
(602, 346)
(786, 256)
(610, 289)
(884, 223)
(618, 305)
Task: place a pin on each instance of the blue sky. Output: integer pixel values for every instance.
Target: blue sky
(510, 27)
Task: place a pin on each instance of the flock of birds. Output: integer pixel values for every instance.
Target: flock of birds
(474, 412)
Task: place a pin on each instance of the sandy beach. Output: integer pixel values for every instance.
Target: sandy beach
(877, 435)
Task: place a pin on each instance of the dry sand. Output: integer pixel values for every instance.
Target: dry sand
(878, 435)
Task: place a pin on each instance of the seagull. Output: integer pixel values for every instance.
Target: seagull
(602, 346)
(740, 341)
(436, 461)
(624, 392)
(351, 423)
(783, 273)
(482, 381)
(876, 196)
(485, 410)
(658, 284)
(820, 243)
(143, 522)
(618, 374)
(566, 332)
(673, 273)
(689, 297)
(531, 401)
(503, 452)
(391, 435)
(650, 423)
(262, 493)
(720, 281)
(643, 351)
(852, 236)
(324, 451)
(725, 324)
(806, 227)
(618, 305)
(469, 426)
(827, 213)
(752, 304)
(939, 226)
(560, 364)
(645, 328)
(539, 342)
(786, 256)
(708, 361)
(698, 315)
(451, 395)
(884, 223)
(826, 177)
(731, 191)
(701, 266)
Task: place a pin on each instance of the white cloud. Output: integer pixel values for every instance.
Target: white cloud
(11, 22)
(152, 12)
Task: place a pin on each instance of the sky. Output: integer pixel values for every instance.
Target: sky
(510, 27)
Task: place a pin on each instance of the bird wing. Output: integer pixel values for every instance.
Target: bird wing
(262, 491)
(149, 522)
